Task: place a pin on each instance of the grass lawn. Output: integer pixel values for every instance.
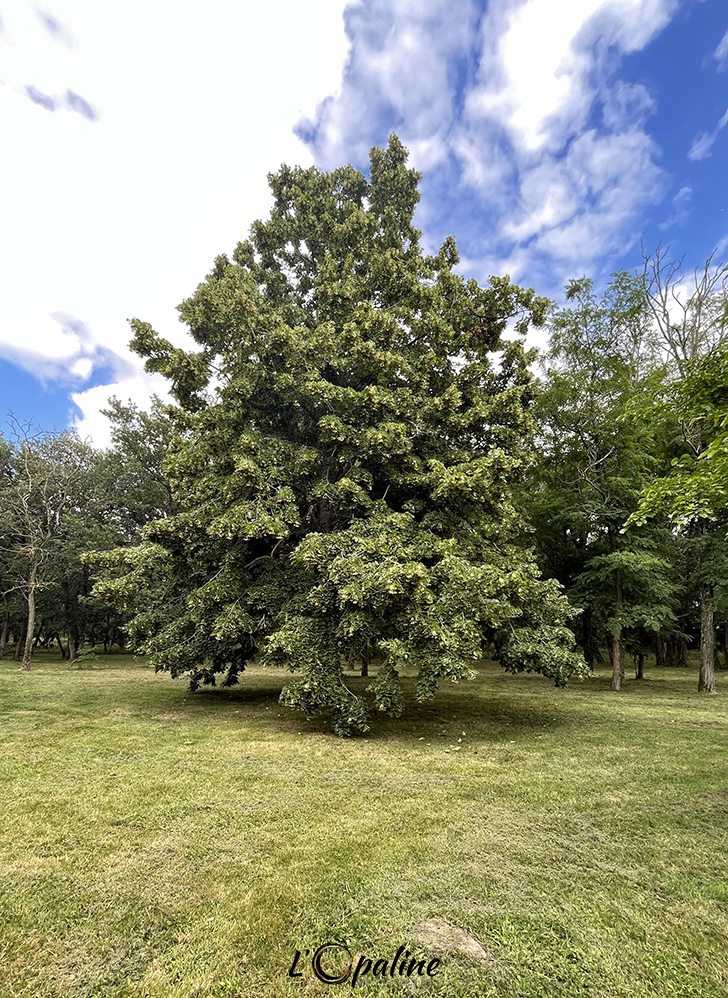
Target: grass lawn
(154, 843)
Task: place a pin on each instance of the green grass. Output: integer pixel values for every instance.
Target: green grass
(154, 843)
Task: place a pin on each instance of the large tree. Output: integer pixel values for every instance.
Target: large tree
(347, 436)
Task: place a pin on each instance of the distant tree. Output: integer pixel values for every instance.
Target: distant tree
(130, 475)
(694, 493)
(688, 308)
(37, 493)
(343, 462)
(690, 330)
(590, 465)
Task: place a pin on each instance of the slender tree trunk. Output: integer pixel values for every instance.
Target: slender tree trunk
(639, 672)
(706, 682)
(28, 650)
(6, 624)
(19, 642)
(617, 650)
(682, 654)
(106, 633)
(72, 645)
(587, 631)
(64, 653)
(660, 653)
(365, 664)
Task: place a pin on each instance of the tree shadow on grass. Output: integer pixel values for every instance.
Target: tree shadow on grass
(488, 712)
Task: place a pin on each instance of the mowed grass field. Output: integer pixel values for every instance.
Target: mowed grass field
(154, 843)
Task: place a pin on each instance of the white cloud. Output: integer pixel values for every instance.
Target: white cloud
(122, 216)
(721, 53)
(542, 142)
(681, 204)
(721, 247)
(83, 367)
(536, 153)
(38, 343)
(703, 144)
(542, 83)
(92, 425)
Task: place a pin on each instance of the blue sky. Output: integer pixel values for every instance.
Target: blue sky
(553, 135)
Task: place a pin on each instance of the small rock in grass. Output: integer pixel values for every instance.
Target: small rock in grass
(437, 934)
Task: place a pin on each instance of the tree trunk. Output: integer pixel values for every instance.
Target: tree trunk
(365, 664)
(64, 653)
(706, 682)
(588, 643)
(72, 645)
(617, 650)
(28, 650)
(639, 672)
(660, 653)
(670, 653)
(6, 624)
(19, 642)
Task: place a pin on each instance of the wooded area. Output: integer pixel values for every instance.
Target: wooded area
(364, 464)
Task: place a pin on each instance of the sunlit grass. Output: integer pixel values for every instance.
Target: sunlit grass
(154, 843)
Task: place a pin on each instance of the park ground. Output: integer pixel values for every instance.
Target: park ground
(155, 843)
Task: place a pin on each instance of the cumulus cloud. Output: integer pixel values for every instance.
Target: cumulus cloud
(536, 151)
(39, 345)
(124, 219)
(62, 348)
(92, 425)
(82, 368)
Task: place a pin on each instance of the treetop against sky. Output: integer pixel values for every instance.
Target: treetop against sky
(552, 135)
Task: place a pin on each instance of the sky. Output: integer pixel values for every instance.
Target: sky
(555, 138)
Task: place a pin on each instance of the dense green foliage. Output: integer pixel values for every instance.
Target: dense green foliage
(696, 486)
(344, 457)
(591, 464)
(360, 468)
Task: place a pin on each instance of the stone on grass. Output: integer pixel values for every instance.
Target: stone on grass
(435, 933)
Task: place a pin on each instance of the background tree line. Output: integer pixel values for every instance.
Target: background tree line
(629, 402)
(61, 498)
(626, 490)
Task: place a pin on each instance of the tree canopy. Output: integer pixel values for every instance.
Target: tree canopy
(348, 432)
